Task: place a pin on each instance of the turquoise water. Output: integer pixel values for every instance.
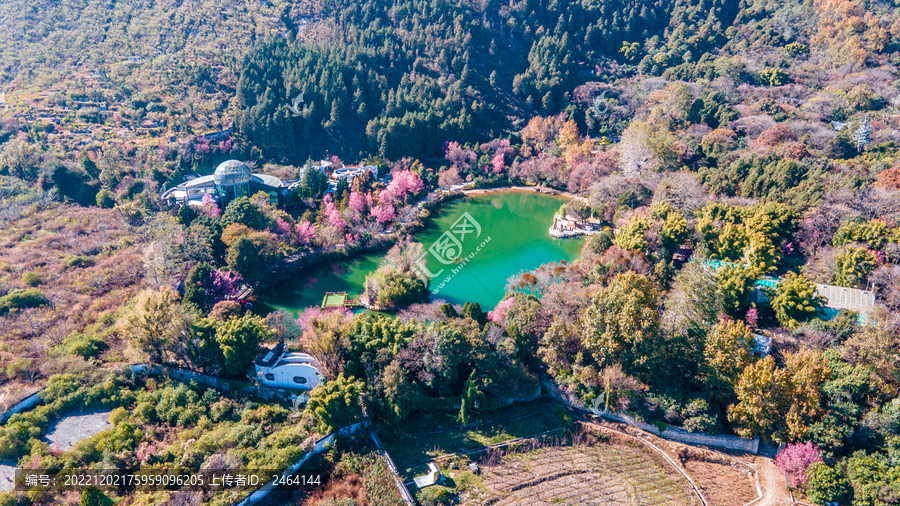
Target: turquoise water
(513, 238)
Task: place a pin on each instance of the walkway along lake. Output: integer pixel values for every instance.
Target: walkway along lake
(512, 238)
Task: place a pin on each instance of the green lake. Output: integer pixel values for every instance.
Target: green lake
(513, 238)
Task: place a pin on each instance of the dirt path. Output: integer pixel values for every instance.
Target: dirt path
(775, 493)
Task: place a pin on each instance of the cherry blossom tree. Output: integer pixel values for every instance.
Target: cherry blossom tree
(333, 215)
(387, 196)
(384, 213)
(752, 317)
(794, 459)
(305, 233)
(499, 163)
(223, 285)
(282, 227)
(637, 156)
(458, 157)
(405, 183)
(449, 177)
(357, 202)
(500, 310)
(210, 206)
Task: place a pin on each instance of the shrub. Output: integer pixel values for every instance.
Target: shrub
(854, 266)
(106, 199)
(437, 496)
(599, 243)
(83, 345)
(335, 403)
(393, 288)
(75, 261)
(242, 211)
(239, 340)
(226, 310)
(31, 278)
(173, 405)
(145, 413)
(796, 300)
(772, 77)
(94, 497)
(195, 287)
(118, 415)
(20, 367)
(826, 485)
(796, 49)
(18, 299)
(473, 310)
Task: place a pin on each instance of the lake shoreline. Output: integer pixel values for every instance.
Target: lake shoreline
(534, 189)
(540, 247)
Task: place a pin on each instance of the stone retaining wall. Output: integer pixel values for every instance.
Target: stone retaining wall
(668, 432)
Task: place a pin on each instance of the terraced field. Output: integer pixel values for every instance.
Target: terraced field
(606, 473)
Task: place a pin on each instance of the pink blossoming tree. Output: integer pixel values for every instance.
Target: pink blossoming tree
(282, 227)
(462, 159)
(405, 183)
(210, 206)
(794, 459)
(499, 163)
(224, 285)
(499, 312)
(752, 317)
(387, 196)
(357, 202)
(304, 232)
(333, 215)
(384, 213)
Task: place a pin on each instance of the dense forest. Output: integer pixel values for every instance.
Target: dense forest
(400, 79)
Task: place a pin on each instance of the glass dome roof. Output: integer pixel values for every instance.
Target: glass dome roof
(232, 173)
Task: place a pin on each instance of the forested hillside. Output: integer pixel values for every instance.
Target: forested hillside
(399, 79)
(167, 60)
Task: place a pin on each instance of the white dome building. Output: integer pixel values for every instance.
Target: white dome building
(231, 180)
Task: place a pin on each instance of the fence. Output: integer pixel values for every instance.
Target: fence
(394, 472)
(668, 432)
(320, 446)
(210, 381)
(26, 403)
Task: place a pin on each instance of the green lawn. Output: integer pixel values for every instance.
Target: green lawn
(335, 300)
(421, 443)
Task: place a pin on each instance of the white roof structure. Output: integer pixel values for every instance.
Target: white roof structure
(228, 173)
(350, 172)
(426, 480)
(192, 189)
(853, 299)
(279, 368)
(232, 172)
